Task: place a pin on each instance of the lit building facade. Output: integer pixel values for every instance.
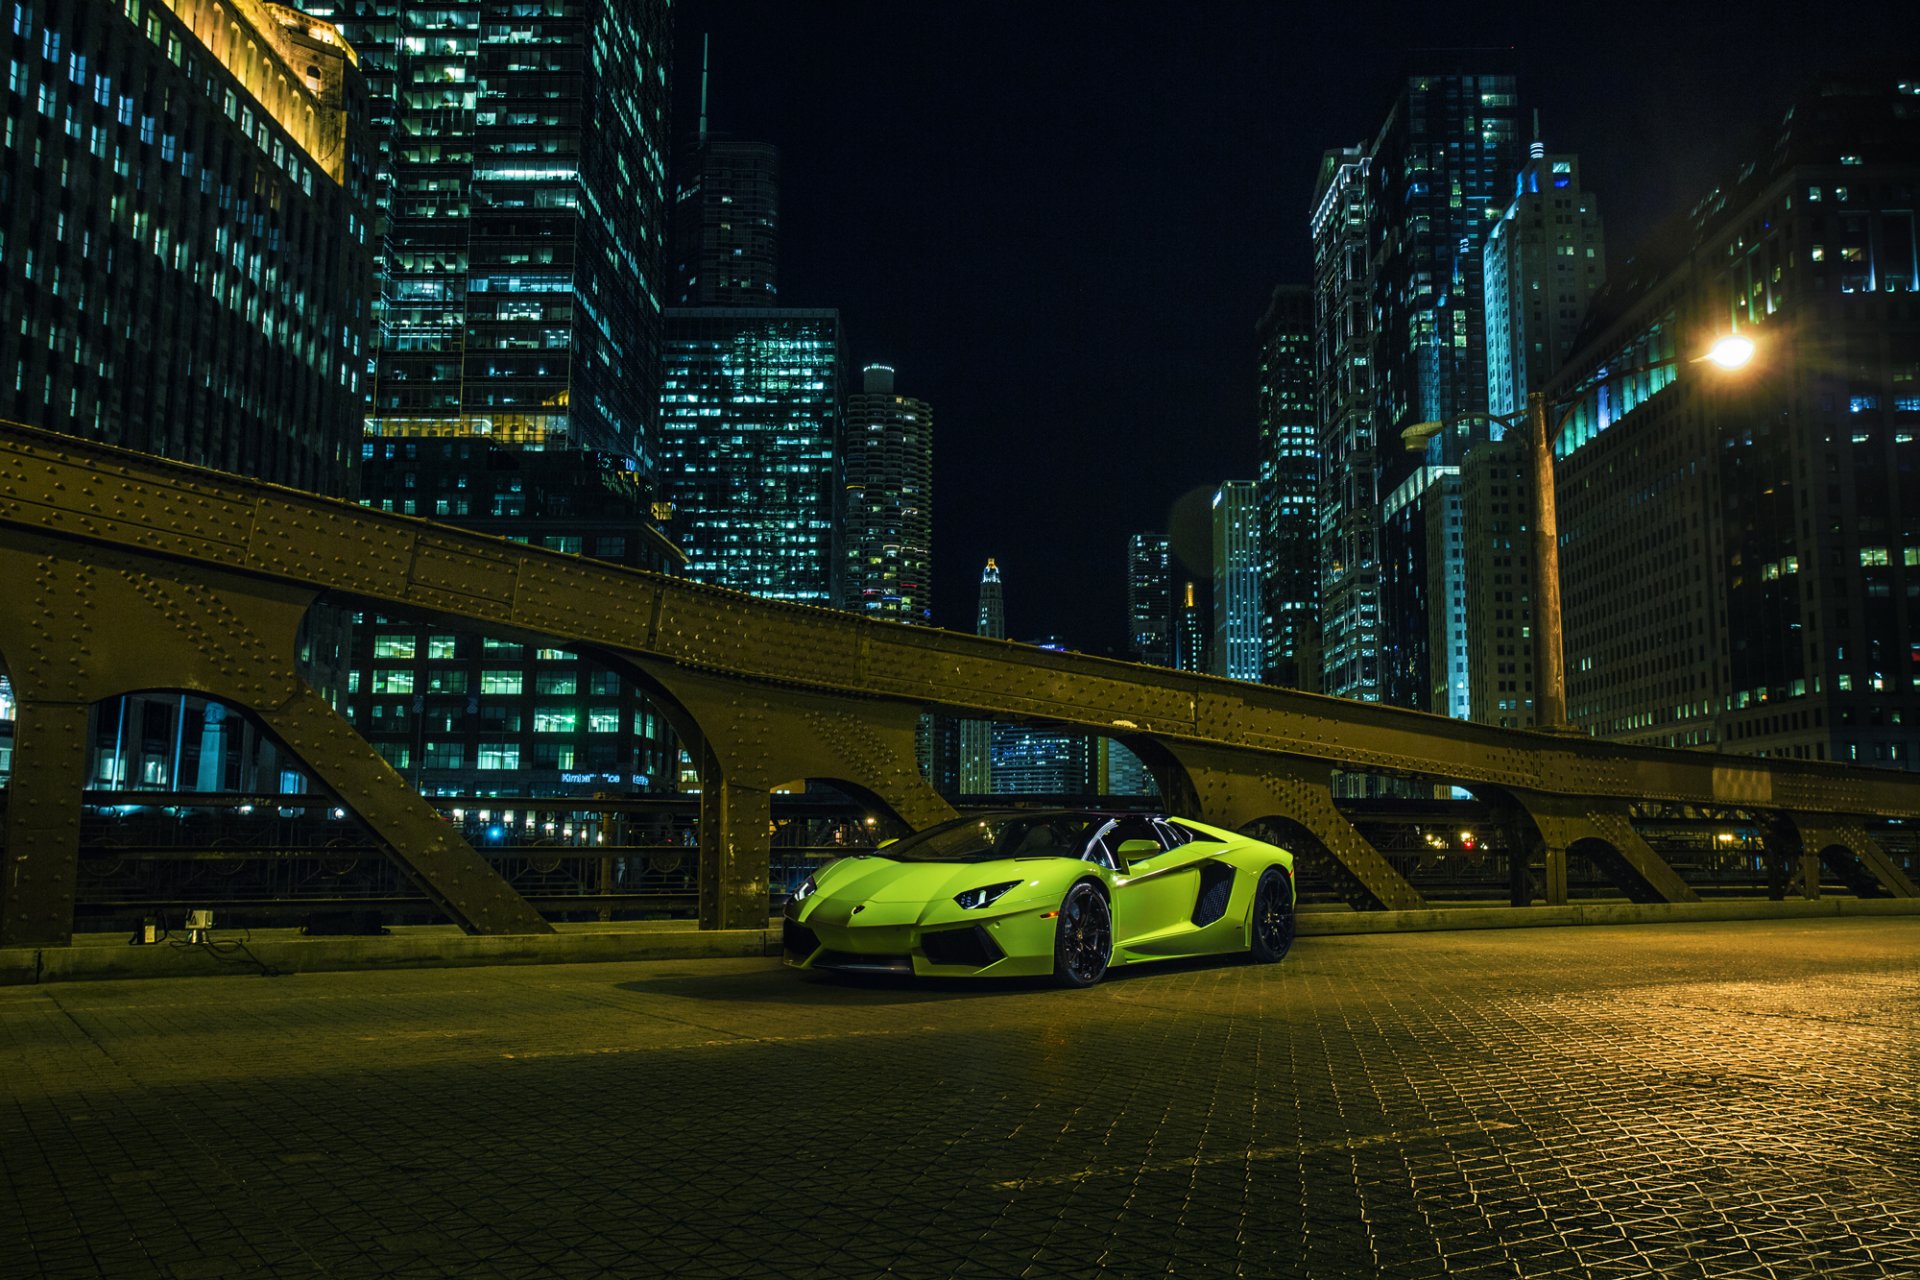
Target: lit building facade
(1150, 598)
(523, 194)
(1289, 528)
(750, 449)
(1191, 629)
(1239, 650)
(1740, 555)
(889, 502)
(1436, 177)
(1348, 502)
(185, 258)
(1544, 261)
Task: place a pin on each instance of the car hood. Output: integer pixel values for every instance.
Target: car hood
(879, 879)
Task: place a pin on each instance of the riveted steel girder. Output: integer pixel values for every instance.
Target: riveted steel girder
(1855, 855)
(110, 621)
(1564, 822)
(1236, 789)
(186, 521)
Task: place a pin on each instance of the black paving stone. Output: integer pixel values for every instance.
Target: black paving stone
(1729, 1100)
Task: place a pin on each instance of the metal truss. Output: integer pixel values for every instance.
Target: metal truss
(120, 572)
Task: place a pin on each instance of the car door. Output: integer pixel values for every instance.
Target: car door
(1154, 895)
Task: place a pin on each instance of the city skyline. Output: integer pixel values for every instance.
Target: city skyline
(1094, 305)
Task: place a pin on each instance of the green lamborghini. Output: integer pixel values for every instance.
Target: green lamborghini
(1065, 894)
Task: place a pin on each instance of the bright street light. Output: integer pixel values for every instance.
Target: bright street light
(1730, 352)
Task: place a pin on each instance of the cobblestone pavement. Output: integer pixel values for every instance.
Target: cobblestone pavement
(1727, 1100)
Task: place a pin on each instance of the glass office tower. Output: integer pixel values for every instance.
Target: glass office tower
(1289, 482)
(750, 448)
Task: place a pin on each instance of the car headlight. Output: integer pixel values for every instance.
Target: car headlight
(805, 889)
(974, 899)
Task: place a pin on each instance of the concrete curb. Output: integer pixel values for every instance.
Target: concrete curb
(1576, 913)
(439, 949)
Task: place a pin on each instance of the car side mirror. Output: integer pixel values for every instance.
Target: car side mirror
(1132, 851)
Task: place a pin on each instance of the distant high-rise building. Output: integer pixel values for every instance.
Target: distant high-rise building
(750, 441)
(1436, 177)
(1544, 261)
(1191, 626)
(725, 246)
(188, 258)
(1740, 554)
(1288, 488)
(523, 197)
(976, 736)
(1238, 649)
(1150, 598)
(1047, 762)
(1349, 507)
(889, 502)
(1496, 502)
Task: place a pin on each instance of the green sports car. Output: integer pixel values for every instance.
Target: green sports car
(1064, 894)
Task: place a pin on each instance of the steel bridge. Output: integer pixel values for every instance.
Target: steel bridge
(121, 573)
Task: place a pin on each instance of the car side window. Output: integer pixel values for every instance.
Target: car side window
(1170, 834)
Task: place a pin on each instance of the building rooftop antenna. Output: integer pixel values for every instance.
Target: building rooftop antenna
(706, 38)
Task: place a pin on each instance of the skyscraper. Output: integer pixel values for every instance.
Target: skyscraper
(1150, 598)
(1349, 508)
(976, 736)
(1741, 561)
(725, 246)
(1544, 261)
(1496, 500)
(1191, 626)
(187, 259)
(524, 198)
(889, 502)
(1239, 650)
(750, 441)
(1436, 176)
(1288, 489)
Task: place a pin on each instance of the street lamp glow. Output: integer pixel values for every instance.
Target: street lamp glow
(1731, 352)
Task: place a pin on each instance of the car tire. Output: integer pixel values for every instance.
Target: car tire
(1270, 930)
(1083, 937)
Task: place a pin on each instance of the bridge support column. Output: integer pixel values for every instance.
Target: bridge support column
(42, 859)
(735, 822)
(1233, 790)
(1844, 845)
(750, 740)
(1563, 823)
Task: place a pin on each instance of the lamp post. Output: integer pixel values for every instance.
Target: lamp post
(1549, 653)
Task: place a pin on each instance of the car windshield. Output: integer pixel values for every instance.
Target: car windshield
(999, 835)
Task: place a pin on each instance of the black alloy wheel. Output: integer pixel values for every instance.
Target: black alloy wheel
(1272, 932)
(1083, 938)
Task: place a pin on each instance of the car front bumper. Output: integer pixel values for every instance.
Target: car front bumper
(909, 939)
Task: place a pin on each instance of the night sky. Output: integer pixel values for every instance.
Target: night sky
(1060, 221)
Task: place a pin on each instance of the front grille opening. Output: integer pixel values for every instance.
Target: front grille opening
(974, 947)
(798, 940)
